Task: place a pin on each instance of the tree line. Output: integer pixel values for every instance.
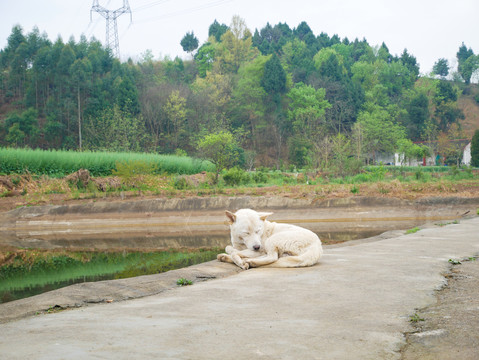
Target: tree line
(277, 96)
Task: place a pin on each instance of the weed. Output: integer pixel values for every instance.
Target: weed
(54, 309)
(419, 174)
(454, 262)
(355, 189)
(183, 282)
(383, 190)
(413, 230)
(415, 318)
(180, 183)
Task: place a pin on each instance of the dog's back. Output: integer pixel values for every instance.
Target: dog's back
(296, 246)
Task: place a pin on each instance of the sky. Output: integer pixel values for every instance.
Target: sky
(428, 29)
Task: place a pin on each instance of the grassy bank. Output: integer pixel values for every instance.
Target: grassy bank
(405, 182)
(28, 272)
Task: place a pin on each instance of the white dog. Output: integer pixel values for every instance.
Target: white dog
(257, 242)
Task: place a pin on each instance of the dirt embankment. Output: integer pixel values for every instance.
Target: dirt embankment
(449, 329)
(54, 193)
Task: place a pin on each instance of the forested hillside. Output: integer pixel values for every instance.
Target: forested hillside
(287, 97)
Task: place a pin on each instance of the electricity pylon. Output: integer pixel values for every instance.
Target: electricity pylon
(111, 27)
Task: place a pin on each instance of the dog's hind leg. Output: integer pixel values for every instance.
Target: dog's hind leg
(310, 257)
(263, 260)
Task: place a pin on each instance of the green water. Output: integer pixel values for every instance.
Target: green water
(30, 273)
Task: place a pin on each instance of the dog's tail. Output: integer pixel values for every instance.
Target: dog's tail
(310, 257)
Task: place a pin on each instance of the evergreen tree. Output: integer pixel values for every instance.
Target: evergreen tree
(274, 77)
(441, 68)
(463, 67)
(217, 30)
(189, 43)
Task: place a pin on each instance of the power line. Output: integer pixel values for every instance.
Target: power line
(110, 16)
(150, 5)
(184, 12)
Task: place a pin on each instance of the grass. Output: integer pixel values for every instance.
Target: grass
(413, 230)
(415, 318)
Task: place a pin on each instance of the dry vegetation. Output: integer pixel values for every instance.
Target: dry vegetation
(27, 190)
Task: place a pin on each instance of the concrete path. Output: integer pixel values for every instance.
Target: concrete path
(356, 304)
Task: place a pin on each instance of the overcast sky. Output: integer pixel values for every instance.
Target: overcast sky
(429, 29)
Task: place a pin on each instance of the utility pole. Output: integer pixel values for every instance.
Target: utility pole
(111, 26)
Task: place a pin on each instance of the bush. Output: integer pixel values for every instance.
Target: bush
(235, 176)
(259, 177)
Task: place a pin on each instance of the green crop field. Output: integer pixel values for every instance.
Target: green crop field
(60, 163)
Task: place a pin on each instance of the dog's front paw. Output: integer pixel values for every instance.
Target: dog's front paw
(245, 266)
(222, 257)
(249, 263)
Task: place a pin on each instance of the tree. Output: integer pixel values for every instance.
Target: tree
(189, 43)
(236, 47)
(22, 127)
(469, 67)
(475, 149)
(330, 64)
(15, 136)
(81, 73)
(450, 150)
(306, 110)
(217, 30)
(465, 67)
(378, 131)
(408, 150)
(220, 148)
(274, 76)
(248, 98)
(418, 113)
(175, 109)
(205, 57)
(441, 68)
(116, 130)
(410, 62)
(212, 95)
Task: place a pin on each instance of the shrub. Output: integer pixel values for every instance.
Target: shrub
(235, 176)
(259, 177)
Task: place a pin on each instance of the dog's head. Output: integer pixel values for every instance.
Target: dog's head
(247, 228)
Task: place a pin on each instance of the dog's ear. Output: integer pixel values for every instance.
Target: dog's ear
(231, 217)
(264, 215)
